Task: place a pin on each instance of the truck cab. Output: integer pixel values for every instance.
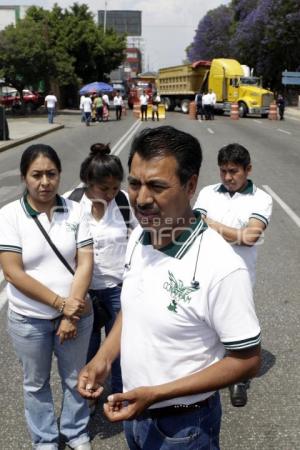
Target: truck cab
(228, 81)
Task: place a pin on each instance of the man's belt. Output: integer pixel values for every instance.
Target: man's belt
(172, 410)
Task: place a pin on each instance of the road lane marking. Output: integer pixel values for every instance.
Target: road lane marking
(257, 121)
(283, 205)
(118, 147)
(210, 131)
(283, 131)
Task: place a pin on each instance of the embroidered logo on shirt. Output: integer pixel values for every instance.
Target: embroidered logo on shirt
(72, 227)
(178, 291)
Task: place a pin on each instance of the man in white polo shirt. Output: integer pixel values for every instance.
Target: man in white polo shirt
(181, 308)
(239, 211)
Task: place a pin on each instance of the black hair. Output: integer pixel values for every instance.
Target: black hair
(234, 153)
(33, 152)
(100, 165)
(167, 140)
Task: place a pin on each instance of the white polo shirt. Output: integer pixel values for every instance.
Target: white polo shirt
(215, 202)
(19, 233)
(110, 236)
(51, 101)
(144, 99)
(171, 329)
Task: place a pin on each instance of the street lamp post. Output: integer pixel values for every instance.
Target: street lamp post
(104, 21)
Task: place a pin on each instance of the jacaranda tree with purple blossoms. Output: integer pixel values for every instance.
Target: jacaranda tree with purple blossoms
(212, 36)
(263, 34)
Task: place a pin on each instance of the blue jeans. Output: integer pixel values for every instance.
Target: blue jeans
(51, 112)
(35, 341)
(88, 117)
(193, 430)
(111, 298)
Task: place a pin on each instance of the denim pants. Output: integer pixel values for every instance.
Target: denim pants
(193, 430)
(35, 341)
(111, 298)
(50, 114)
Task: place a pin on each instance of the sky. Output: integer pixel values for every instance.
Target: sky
(168, 26)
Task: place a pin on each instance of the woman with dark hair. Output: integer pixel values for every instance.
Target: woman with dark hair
(48, 311)
(110, 219)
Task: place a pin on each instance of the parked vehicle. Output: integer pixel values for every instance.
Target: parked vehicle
(10, 98)
(178, 86)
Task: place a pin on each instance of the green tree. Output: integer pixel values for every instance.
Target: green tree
(64, 48)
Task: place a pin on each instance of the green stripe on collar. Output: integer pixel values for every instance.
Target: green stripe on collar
(183, 242)
(248, 189)
(60, 206)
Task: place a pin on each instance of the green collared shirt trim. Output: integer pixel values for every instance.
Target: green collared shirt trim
(248, 189)
(183, 242)
(60, 206)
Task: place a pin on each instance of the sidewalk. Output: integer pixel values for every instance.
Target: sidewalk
(292, 111)
(27, 128)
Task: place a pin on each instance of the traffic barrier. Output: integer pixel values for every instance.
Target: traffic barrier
(149, 111)
(137, 110)
(192, 110)
(161, 111)
(273, 112)
(234, 111)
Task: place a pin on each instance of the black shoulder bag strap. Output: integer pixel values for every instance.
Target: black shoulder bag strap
(123, 205)
(52, 245)
(77, 194)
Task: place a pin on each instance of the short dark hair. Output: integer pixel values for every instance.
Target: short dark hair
(100, 164)
(33, 152)
(167, 140)
(234, 153)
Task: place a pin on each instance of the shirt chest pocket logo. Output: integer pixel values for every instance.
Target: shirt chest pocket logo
(73, 227)
(178, 292)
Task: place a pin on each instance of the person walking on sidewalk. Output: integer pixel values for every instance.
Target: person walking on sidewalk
(50, 103)
(118, 104)
(48, 312)
(240, 212)
(172, 333)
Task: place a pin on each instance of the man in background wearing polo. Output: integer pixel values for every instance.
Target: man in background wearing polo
(240, 212)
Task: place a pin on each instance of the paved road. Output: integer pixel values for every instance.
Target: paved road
(271, 419)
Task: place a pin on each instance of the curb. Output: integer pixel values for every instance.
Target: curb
(29, 138)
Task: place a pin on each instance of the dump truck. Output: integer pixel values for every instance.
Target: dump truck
(178, 86)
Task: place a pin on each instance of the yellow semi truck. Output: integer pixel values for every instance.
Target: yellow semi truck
(178, 86)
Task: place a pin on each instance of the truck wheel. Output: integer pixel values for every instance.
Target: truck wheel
(168, 104)
(185, 104)
(243, 110)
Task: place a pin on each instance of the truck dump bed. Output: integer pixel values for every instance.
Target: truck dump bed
(184, 80)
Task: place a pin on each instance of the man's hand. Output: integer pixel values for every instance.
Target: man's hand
(92, 377)
(128, 405)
